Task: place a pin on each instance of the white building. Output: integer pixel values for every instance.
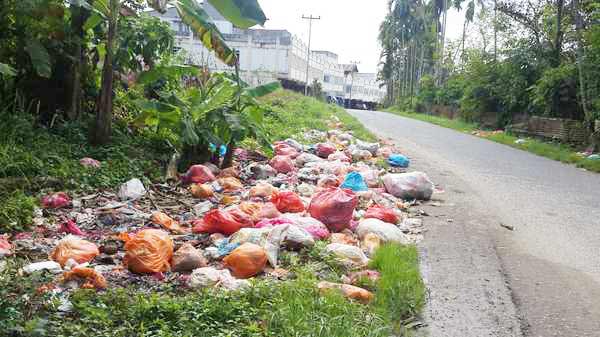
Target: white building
(265, 55)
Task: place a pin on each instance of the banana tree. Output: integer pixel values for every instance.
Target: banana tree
(242, 13)
(217, 112)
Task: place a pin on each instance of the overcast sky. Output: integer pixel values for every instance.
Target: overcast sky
(348, 28)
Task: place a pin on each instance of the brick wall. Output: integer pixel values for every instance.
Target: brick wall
(565, 130)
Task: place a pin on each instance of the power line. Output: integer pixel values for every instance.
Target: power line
(310, 19)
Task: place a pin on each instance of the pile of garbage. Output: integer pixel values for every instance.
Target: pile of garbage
(220, 228)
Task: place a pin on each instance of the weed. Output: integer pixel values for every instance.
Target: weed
(400, 290)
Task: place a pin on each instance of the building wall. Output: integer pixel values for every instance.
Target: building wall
(265, 55)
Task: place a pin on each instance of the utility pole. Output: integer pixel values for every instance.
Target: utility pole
(310, 19)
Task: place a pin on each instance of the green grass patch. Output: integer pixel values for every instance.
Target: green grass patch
(455, 124)
(292, 114)
(400, 291)
(561, 152)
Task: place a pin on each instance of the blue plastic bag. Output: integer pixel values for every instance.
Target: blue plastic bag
(222, 149)
(398, 160)
(355, 182)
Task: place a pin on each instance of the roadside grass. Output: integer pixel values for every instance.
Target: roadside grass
(292, 114)
(267, 309)
(560, 152)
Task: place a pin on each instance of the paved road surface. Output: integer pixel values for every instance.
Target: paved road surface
(551, 261)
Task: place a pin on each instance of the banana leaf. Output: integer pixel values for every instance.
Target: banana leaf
(7, 70)
(39, 58)
(263, 90)
(242, 13)
(195, 17)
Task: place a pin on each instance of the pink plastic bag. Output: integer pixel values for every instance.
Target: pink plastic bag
(333, 207)
(284, 149)
(382, 213)
(56, 200)
(89, 162)
(198, 174)
(339, 155)
(273, 222)
(70, 227)
(282, 164)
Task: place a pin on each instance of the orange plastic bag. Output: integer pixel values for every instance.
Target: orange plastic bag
(167, 222)
(246, 261)
(202, 191)
(93, 278)
(382, 213)
(229, 172)
(74, 248)
(218, 221)
(263, 190)
(198, 174)
(149, 251)
(287, 202)
(230, 184)
(349, 291)
(333, 207)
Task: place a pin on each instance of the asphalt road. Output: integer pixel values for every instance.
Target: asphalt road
(546, 272)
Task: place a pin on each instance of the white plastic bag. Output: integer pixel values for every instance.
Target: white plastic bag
(413, 185)
(386, 231)
(132, 190)
(351, 256)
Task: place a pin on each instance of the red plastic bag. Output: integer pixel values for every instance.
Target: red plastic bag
(282, 164)
(56, 200)
(227, 223)
(333, 207)
(148, 251)
(246, 261)
(287, 202)
(198, 174)
(74, 248)
(382, 213)
(70, 227)
(325, 149)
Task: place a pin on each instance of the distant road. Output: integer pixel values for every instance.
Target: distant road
(552, 258)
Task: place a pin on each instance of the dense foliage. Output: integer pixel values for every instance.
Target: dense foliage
(515, 57)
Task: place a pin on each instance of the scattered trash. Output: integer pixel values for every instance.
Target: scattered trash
(89, 162)
(349, 291)
(148, 251)
(50, 266)
(509, 227)
(386, 231)
(413, 185)
(214, 227)
(92, 278)
(202, 191)
(246, 261)
(398, 160)
(188, 258)
(198, 174)
(333, 207)
(355, 182)
(71, 247)
(520, 141)
(132, 190)
(288, 202)
(593, 157)
(56, 200)
(348, 255)
(382, 213)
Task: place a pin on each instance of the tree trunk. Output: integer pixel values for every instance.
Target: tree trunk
(78, 18)
(103, 124)
(495, 30)
(228, 159)
(580, 59)
(557, 50)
